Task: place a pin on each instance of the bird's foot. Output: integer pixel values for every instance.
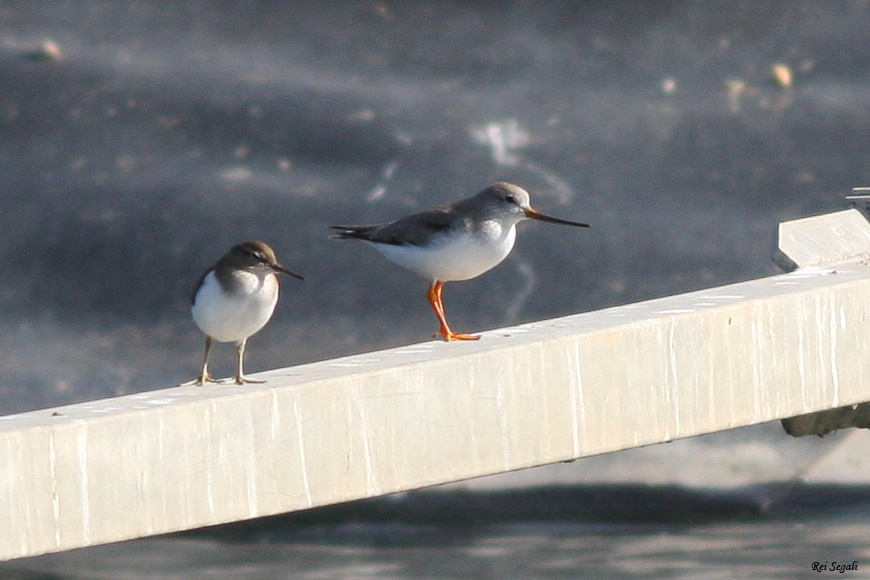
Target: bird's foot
(242, 380)
(449, 335)
(200, 380)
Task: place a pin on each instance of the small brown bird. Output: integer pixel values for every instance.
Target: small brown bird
(235, 298)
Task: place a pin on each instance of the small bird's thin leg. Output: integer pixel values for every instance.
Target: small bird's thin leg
(204, 377)
(241, 379)
(438, 306)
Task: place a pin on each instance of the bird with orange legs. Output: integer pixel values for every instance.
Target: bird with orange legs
(454, 242)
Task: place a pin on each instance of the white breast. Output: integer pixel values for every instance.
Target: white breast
(456, 256)
(235, 317)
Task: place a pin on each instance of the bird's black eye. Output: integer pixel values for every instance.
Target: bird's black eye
(259, 256)
(510, 198)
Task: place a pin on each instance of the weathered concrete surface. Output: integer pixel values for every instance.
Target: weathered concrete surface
(837, 238)
(424, 414)
(827, 240)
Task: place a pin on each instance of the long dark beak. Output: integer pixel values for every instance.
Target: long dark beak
(536, 215)
(279, 268)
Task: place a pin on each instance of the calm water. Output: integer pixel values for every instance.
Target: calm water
(704, 538)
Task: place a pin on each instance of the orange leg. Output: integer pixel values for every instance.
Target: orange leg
(438, 306)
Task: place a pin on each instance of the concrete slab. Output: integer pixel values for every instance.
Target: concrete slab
(836, 238)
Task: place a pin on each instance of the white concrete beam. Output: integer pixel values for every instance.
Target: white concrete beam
(837, 238)
(825, 241)
(430, 413)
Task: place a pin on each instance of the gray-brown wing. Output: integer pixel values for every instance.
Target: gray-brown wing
(414, 229)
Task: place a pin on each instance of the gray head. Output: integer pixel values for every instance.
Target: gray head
(511, 202)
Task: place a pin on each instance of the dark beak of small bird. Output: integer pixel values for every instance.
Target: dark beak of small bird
(279, 268)
(536, 215)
